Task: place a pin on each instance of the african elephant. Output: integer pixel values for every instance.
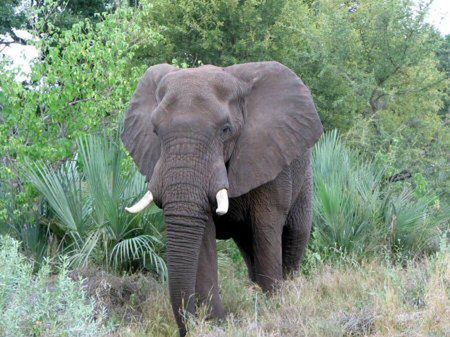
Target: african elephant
(238, 138)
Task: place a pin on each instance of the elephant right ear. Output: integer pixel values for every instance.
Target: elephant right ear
(138, 135)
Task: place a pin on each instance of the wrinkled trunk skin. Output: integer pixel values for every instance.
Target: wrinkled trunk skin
(184, 237)
(186, 207)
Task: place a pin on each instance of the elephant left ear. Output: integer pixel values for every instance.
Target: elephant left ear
(138, 136)
(280, 123)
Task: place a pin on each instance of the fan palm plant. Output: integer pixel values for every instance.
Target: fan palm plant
(414, 225)
(88, 197)
(347, 197)
(354, 212)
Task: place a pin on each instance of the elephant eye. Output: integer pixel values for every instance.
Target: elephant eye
(155, 131)
(226, 129)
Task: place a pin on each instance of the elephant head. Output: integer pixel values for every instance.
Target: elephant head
(202, 135)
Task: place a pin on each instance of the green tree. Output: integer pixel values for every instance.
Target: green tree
(20, 14)
(11, 17)
(81, 86)
(360, 57)
(211, 32)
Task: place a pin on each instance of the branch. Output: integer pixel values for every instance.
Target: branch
(75, 102)
(106, 93)
(6, 41)
(17, 39)
(14, 37)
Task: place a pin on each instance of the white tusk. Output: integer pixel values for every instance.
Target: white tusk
(141, 204)
(222, 202)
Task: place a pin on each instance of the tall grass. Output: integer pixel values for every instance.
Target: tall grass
(371, 298)
(88, 196)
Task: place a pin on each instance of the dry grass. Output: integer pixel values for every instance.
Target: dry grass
(373, 298)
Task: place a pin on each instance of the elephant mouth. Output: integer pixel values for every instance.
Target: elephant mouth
(146, 200)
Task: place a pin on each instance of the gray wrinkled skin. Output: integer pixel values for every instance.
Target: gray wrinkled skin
(248, 128)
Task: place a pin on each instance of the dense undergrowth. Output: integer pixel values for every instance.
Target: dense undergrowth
(356, 212)
(88, 198)
(373, 297)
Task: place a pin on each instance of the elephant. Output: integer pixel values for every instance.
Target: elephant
(227, 155)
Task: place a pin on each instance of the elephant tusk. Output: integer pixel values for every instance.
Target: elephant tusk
(141, 204)
(222, 202)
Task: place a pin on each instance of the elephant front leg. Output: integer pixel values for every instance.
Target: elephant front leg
(267, 252)
(267, 258)
(207, 287)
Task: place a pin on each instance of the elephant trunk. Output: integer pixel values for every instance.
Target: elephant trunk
(186, 214)
(185, 199)
(184, 236)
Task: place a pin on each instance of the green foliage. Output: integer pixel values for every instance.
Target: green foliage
(42, 304)
(82, 85)
(17, 14)
(356, 213)
(10, 16)
(88, 197)
(216, 32)
(414, 223)
(361, 57)
(73, 11)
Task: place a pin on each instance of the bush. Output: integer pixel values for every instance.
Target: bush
(23, 225)
(42, 304)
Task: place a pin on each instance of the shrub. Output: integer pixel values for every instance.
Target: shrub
(42, 304)
(23, 225)
(414, 225)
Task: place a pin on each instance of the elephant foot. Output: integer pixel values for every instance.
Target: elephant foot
(215, 310)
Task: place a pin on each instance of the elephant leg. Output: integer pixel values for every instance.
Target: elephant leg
(243, 240)
(207, 287)
(297, 229)
(267, 231)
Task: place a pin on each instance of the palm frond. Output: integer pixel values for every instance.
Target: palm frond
(408, 220)
(138, 248)
(63, 191)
